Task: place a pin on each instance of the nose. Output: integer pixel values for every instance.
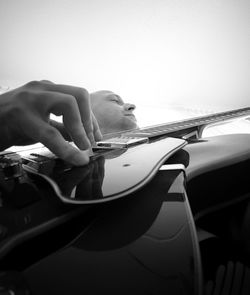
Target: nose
(129, 107)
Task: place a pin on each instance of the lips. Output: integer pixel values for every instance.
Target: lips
(132, 116)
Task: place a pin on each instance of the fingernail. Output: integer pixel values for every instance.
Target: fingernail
(98, 135)
(86, 145)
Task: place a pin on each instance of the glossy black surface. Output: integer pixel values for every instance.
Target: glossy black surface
(144, 244)
(110, 174)
(27, 210)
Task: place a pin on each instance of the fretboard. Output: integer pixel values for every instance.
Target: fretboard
(171, 127)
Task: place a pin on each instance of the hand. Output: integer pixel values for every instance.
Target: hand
(24, 119)
(81, 184)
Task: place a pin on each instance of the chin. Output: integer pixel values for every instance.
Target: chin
(123, 125)
(130, 124)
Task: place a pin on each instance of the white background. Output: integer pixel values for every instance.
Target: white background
(152, 52)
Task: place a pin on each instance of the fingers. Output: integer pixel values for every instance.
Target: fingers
(64, 105)
(42, 132)
(37, 100)
(81, 96)
(59, 126)
(96, 130)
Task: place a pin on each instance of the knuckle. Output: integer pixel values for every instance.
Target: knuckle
(46, 81)
(33, 84)
(69, 99)
(38, 84)
(25, 98)
(82, 93)
(22, 96)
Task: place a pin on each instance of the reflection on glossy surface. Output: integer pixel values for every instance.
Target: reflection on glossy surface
(82, 182)
(113, 175)
(144, 244)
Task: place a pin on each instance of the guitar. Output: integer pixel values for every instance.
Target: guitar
(122, 163)
(144, 242)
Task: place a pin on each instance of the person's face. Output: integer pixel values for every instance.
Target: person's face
(111, 112)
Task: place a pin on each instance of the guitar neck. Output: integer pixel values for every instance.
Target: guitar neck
(162, 129)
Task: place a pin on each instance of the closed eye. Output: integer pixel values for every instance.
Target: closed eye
(116, 99)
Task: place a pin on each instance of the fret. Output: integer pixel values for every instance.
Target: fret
(166, 128)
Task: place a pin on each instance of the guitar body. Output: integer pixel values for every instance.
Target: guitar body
(137, 236)
(115, 174)
(145, 243)
(217, 160)
(217, 171)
